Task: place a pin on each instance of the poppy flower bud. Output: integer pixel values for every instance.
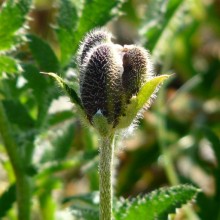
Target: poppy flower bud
(110, 75)
(116, 83)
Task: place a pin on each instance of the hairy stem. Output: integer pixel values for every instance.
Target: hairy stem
(22, 182)
(105, 175)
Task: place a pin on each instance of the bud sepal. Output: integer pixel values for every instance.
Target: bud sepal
(142, 99)
(101, 124)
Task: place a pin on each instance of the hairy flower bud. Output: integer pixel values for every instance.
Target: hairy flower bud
(116, 83)
(110, 75)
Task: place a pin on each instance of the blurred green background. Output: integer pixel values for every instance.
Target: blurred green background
(177, 140)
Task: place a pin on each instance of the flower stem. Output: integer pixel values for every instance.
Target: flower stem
(105, 181)
(22, 182)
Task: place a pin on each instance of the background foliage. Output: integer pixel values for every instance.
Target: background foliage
(177, 141)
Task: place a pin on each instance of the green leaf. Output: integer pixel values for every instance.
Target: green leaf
(159, 14)
(156, 205)
(67, 89)
(72, 28)
(65, 38)
(9, 65)
(62, 141)
(18, 114)
(51, 167)
(32, 76)
(43, 54)
(84, 213)
(12, 18)
(24, 6)
(46, 200)
(59, 117)
(67, 21)
(89, 199)
(7, 199)
(95, 13)
(67, 18)
(143, 97)
(44, 91)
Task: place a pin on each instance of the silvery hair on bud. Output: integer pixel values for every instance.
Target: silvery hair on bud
(92, 39)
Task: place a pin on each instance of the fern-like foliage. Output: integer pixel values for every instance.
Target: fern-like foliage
(12, 19)
(156, 205)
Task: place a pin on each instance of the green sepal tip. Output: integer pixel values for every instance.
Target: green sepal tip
(67, 89)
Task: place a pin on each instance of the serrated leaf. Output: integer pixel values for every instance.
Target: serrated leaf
(67, 89)
(156, 205)
(43, 54)
(9, 65)
(12, 18)
(142, 98)
(7, 199)
(67, 21)
(159, 14)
